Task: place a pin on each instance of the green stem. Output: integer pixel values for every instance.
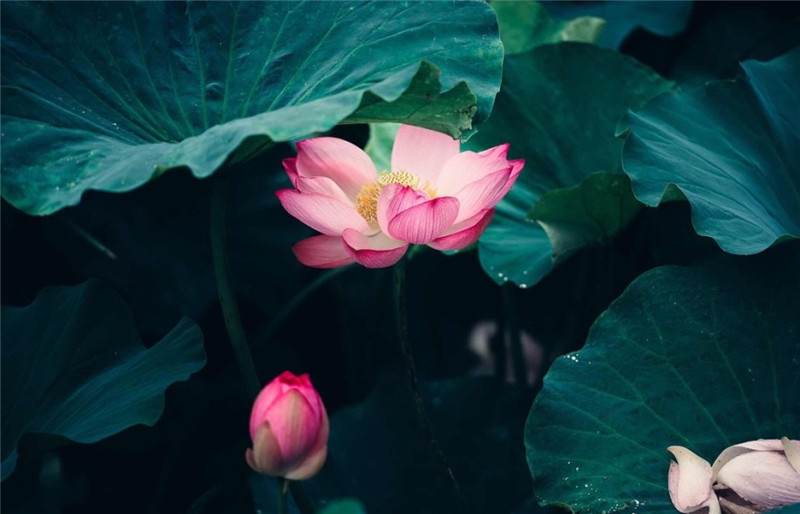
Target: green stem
(297, 299)
(283, 500)
(301, 498)
(227, 297)
(401, 317)
(512, 336)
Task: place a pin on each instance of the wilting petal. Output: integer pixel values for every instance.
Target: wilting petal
(482, 194)
(764, 478)
(378, 251)
(422, 151)
(689, 482)
(729, 453)
(792, 451)
(732, 503)
(322, 252)
(323, 186)
(463, 234)
(322, 213)
(342, 161)
(468, 167)
(425, 222)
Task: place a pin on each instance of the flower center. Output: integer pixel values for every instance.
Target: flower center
(367, 199)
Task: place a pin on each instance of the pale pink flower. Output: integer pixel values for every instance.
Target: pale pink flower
(289, 429)
(433, 195)
(750, 477)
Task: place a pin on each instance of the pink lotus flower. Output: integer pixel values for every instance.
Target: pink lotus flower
(749, 477)
(289, 429)
(433, 195)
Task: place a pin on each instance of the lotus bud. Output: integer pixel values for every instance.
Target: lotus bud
(289, 429)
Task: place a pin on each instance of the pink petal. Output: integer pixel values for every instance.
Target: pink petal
(482, 194)
(689, 481)
(323, 186)
(322, 213)
(343, 162)
(764, 478)
(465, 233)
(422, 151)
(295, 426)
(290, 165)
(377, 251)
(792, 451)
(425, 222)
(322, 252)
(468, 167)
(394, 199)
(496, 152)
(265, 457)
(731, 452)
(310, 466)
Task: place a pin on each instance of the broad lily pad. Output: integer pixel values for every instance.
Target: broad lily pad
(106, 96)
(731, 148)
(74, 367)
(558, 109)
(701, 357)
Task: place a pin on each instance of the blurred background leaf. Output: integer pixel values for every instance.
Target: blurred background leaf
(622, 18)
(525, 25)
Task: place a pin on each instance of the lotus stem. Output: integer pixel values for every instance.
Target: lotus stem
(227, 297)
(304, 503)
(283, 500)
(512, 336)
(401, 317)
(298, 298)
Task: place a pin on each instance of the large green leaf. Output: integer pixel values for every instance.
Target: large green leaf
(622, 18)
(732, 148)
(701, 357)
(74, 367)
(558, 108)
(105, 96)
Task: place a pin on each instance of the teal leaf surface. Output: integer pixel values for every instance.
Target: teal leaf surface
(622, 18)
(106, 96)
(701, 357)
(558, 109)
(74, 367)
(732, 148)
